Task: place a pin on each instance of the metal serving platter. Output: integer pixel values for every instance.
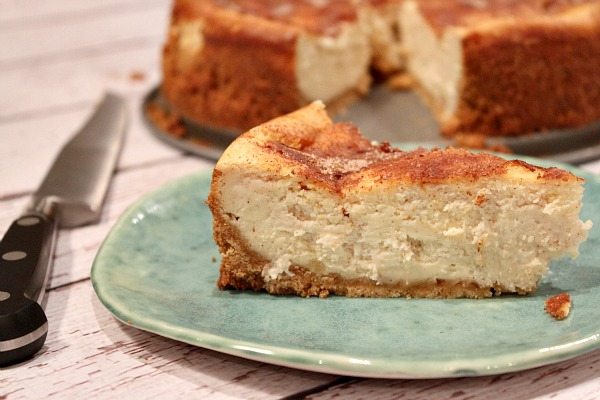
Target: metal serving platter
(387, 115)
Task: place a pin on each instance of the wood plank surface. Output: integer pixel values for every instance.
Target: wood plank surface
(41, 44)
(574, 379)
(76, 83)
(57, 59)
(19, 14)
(88, 354)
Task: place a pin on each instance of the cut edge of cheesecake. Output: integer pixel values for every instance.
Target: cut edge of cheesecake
(307, 207)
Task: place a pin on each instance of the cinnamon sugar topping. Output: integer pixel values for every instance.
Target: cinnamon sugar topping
(341, 156)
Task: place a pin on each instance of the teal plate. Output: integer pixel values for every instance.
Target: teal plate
(158, 266)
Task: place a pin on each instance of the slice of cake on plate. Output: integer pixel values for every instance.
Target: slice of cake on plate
(307, 207)
(505, 67)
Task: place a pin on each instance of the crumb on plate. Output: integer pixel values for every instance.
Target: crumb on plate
(558, 306)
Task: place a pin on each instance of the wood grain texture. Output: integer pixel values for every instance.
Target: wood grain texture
(574, 379)
(46, 43)
(76, 248)
(58, 58)
(76, 83)
(18, 14)
(88, 354)
(36, 141)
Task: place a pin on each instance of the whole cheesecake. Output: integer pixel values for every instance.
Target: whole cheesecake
(485, 67)
(307, 207)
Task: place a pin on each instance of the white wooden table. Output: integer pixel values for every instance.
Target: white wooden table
(56, 59)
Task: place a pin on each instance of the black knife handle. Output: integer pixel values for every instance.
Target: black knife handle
(25, 258)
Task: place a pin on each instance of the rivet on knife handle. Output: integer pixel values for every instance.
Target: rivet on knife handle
(25, 256)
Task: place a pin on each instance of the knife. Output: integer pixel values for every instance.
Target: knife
(71, 195)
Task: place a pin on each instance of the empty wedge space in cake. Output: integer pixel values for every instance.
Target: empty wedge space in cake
(307, 207)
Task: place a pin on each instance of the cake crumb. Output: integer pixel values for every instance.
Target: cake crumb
(167, 122)
(213, 259)
(400, 81)
(137, 76)
(558, 306)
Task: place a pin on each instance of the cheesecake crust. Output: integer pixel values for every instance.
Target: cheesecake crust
(559, 90)
(207, 87)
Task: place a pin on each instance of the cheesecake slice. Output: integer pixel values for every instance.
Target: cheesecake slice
(307, 207)
(505, 67)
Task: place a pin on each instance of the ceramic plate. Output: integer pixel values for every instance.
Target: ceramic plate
(157, 271)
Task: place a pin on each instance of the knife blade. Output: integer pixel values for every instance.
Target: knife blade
(70, 195)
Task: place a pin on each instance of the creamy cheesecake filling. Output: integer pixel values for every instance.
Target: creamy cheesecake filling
(484, 232)
(328, 67)
(190, 41)
(383, 25)
(435, 62)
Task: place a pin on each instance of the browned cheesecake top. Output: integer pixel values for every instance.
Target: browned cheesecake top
(321, 17)
(340, 156)
(444, 13)
(380, 3)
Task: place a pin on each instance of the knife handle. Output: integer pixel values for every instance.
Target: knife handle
(26, 253)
